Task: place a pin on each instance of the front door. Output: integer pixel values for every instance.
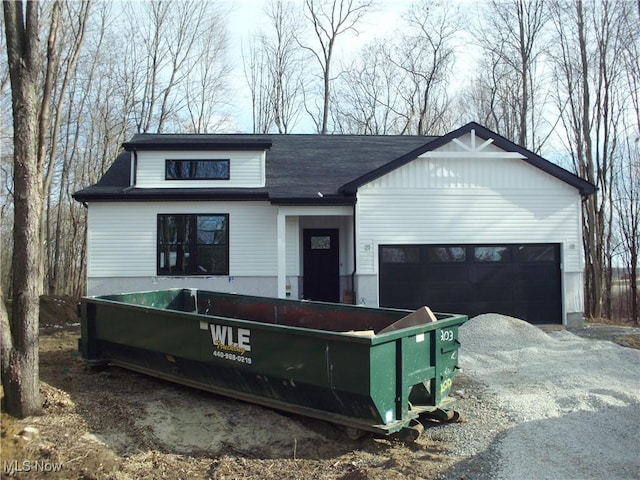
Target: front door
(321, 279)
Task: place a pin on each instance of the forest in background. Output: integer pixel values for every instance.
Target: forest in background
(559, 77)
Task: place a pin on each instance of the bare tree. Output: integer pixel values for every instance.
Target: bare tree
(627, 179)
(20, 373)
(6, 172)
(493, 95)
(256, 73)
(368, 96)
(512, 35)
(205, 88)
(627, 208)
(274, 70)
(330, 19)
(400, 84)
(100, 105)
(425, 55)
(286, 64)
(65, 243)
(590, 99)
(73, 24)
(174, 36)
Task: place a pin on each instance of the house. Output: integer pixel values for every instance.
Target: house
(467, 222)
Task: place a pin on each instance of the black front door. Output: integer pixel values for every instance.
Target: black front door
(321, 279)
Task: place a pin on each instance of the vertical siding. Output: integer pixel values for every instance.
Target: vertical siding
(123, 239)
(247, 169)
(469, 173)
(467, 200)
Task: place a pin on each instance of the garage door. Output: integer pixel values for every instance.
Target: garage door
(518, 280)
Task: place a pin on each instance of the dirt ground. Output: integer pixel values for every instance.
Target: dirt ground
(117, 424)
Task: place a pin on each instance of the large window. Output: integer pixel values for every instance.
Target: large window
(193, 244)
(197, 169)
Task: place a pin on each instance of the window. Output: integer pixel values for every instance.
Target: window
(197, 169)
(321, 243)
(193, 244)
(538, 253)
(400, 254)
(492, 254)
(447, 254)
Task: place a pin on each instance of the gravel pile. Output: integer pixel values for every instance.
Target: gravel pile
(544, 405)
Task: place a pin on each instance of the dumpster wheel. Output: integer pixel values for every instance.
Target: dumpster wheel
(354, 433)
(443, 416)
(410, 433)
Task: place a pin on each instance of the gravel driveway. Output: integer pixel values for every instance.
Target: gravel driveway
(544, 405)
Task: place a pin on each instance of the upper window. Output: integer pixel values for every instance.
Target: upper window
(197, 169)
(193, 244)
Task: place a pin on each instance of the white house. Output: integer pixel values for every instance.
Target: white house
(466, 223)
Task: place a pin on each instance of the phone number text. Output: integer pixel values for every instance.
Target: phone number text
(232, 356)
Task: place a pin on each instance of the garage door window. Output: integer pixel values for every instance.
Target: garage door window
(537, 253)
(447, 254)
(492, 254)
(400, 254)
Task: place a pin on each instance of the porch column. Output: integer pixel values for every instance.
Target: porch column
(282, 255)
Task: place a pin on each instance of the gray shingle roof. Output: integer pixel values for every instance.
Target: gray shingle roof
(299, 167)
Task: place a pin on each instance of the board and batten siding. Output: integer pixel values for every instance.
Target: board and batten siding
(123, 240)
(464, 201)
(247, 169)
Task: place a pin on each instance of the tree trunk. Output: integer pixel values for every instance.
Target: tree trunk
(20, 375)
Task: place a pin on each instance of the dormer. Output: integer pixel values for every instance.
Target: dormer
(198, 161)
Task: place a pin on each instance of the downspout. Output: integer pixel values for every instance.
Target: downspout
(354, 297)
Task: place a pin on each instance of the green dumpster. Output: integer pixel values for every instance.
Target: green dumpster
(366, 369)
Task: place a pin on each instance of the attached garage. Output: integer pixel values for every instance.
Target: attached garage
(521, 280)
(472, 223)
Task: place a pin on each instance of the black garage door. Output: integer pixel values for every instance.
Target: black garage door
(518, 280)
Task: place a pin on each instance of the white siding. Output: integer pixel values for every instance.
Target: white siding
(247, 169)
(123, 240)
(494, 174)
(262, 286)
(293, 246)
(467, 200)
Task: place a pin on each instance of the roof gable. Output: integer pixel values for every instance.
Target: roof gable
(478, 131)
